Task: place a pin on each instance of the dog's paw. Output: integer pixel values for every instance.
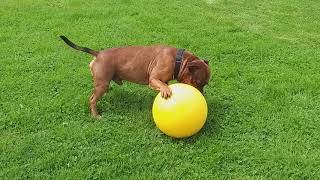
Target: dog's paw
(96, 117)
(165, 92)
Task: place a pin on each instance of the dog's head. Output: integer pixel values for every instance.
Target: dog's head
(196, 74)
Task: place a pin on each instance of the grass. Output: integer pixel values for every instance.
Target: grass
(263, 98)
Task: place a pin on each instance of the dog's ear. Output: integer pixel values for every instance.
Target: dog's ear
(192, 66)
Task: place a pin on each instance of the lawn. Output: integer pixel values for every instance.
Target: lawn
(263, 97)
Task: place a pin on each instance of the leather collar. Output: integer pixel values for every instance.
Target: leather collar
(178, 63)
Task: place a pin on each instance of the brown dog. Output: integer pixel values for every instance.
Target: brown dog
(153, 65)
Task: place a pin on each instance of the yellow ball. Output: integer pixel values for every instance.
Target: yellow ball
(181, 115)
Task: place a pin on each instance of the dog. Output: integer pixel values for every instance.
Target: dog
(149, 65)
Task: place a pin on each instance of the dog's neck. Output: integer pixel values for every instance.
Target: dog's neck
(178, 63)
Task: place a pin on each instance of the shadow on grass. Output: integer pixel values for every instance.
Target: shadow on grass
(123, 101)
(127, 101)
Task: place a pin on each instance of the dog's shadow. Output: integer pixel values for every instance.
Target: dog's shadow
(127, 101)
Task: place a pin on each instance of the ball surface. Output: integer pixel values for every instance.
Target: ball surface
(181, 115)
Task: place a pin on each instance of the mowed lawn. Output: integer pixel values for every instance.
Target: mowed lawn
(263, 97)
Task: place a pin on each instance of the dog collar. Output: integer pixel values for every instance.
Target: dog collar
(178, 63)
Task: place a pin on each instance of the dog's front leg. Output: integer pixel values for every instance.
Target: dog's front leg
(158, 85)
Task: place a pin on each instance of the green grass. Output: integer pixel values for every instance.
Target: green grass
(263, 98)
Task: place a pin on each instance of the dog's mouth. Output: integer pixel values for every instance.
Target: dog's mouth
(201, 90)
(197, 86)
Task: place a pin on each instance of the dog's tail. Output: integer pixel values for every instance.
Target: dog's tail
(74, 46)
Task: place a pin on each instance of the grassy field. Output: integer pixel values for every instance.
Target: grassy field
(263, 97)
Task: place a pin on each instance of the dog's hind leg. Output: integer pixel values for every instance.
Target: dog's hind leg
(101, 80)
